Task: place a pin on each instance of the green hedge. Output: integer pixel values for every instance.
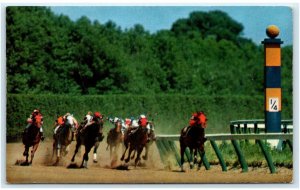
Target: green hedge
(173, 111)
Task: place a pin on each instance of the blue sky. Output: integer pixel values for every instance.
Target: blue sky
(255, 19)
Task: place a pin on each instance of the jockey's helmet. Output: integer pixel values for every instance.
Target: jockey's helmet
(97, 114)
(142, 116)
(36, 111)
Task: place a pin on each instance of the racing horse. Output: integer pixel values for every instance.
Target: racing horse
(91, 136)
(31, 137)
(151, 139)
(63, 137)
(193, 137)
(114, 139)
(135, 141)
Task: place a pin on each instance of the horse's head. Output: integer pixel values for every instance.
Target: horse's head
(118, 125)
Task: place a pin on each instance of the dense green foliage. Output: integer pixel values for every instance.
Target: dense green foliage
(169, 112)
(204, 54)
(203, 62)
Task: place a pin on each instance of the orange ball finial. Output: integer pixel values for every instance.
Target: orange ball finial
(272, 31)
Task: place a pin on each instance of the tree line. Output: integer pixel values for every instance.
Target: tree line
(204, 54)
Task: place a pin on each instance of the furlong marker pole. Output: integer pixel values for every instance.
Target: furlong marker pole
(272, 80)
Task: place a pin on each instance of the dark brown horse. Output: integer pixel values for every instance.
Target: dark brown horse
(91, 136)
(31, 138)
(135, 141)
(114, 139)
(193, 137)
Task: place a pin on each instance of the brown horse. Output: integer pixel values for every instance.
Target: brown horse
(135, 141)
(91, 136)
(114, 139)
(151, 139)
(193, 138)
(31, 138)
(62, 139)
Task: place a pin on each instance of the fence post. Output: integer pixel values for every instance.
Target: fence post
(232, 129)
(161, 150)
(205, 161)
(219, 155)
(188, 154)
(256, 131)
(174, 149)
(246, 131)
(267, 156)
(290, 144)
(240, 155)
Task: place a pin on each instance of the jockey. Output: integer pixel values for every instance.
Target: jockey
(127, 123)
(124, 126)
(31, 119)
(140, 123)
(70, 118)
(143, 121)
(88, 118)
(58, 123)
(96, 116)
(197, 119)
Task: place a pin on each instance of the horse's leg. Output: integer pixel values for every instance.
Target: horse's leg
(195, 156)
(191, 158)
(201, 152)
(78, 143)
(116, 150)
(138, 156)
(25, 153)
(110, 151)
(145, 157)
(86, 156)
(128, 158)
(95, 151)
(182, 149)
(67, 149)
(126, 147)
(134, 151)
(34, 148)
(58, 151)
(53, 150)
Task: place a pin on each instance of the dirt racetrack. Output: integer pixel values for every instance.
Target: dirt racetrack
(152, 171)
